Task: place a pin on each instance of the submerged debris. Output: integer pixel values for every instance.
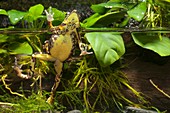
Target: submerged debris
(138, 110)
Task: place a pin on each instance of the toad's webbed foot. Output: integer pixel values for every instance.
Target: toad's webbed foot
(49, 14)
(50, 18)
(84, 49)
(19, 71)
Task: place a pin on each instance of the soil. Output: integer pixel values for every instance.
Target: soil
(143, 66)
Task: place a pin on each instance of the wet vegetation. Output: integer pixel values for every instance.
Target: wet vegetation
(93, 82)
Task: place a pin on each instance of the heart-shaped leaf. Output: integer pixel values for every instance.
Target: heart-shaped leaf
(59, 16)
(36, 10)
(138, 12)
(153, 42)
(34, 13)
(108, 46)
(101, 8)
(15, 16)
(98, 20)
(20, 48)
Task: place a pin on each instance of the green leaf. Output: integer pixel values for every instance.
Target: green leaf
(34, 12)
(3, 38)
(108, 46)
(59, 16)
(20, 48)
(91, 20)
(15, 16)
(163, 3)
(3, 12)
(138, 12)
(101, 8)
(98, 20)
(153, 42)
(119, 0)
(3, 51)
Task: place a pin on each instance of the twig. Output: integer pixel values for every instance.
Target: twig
(6, 103)
(159, 89)
(6, 86)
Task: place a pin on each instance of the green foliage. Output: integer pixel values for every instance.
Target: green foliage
(34, 16)
(98, 20)
(147, 13)
(3, 12)
(104, 7)
(20, 48)
(138, 12)
(58, 16)
(163, 3)
(153, 42)
(35, 103)
(36, 11)
(97, 88)
(15, 16)
(108, 46)
(97, 85)
(3, 51)
(35, 19)
(3, 38)
(13, 46)
(119, 1)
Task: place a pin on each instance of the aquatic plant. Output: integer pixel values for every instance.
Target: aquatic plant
(92, 82)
